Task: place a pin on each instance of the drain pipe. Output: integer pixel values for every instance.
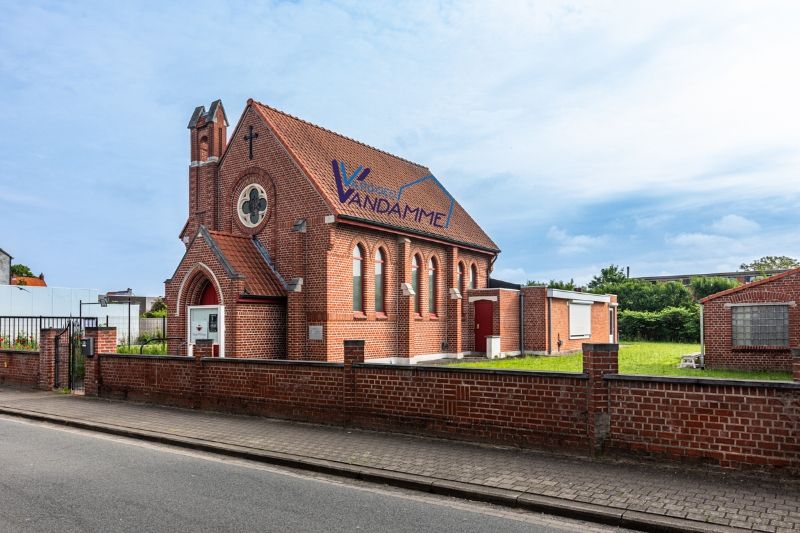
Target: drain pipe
(549, 326)
(521, 322)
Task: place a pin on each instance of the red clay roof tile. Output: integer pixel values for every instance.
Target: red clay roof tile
(243, 256)
(391, 180)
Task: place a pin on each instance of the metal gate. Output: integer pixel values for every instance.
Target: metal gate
(70, 363)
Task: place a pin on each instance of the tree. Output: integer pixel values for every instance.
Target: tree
(555, 284)
(610, 274)
(21, 270)
(639, 295)
(770, 262)
(159, 305)
(703, 286)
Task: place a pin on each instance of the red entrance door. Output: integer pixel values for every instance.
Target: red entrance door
(209, 296)
(484, 321)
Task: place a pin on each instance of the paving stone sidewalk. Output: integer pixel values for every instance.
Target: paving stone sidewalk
(715, 498)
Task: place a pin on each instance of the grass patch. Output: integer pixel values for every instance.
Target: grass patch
(641, 358)
(149, 349)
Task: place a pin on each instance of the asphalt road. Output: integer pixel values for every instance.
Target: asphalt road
(59, 479)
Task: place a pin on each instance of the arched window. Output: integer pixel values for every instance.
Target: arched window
(358, 280)
(432, 286)
(460, 283)
(415, 282)
(380, 259)
(473, 276)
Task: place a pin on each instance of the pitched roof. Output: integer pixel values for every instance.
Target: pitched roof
(243, 257)
(750, 285)
(370, 182)
(28, 281)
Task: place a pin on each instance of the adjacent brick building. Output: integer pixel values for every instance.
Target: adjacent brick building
(299, 238)
(753, 326)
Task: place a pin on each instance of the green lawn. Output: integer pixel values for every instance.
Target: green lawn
(643, 358)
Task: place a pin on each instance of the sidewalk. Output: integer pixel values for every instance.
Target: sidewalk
(633, 495)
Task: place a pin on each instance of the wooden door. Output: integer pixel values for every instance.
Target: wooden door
(484, 322)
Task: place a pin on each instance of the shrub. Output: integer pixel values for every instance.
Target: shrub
(639, 295)
(676, 324)
(707, 285)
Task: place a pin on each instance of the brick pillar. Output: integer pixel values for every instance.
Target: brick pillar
(796, 363)
(599, 360)
(405, 307)
(105, 341)
(203, 348)
(353, 355)
(453, 306)
(47, 358)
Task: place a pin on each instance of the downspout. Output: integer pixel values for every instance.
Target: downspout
(702, 339)
(521, 323)
(549, 327)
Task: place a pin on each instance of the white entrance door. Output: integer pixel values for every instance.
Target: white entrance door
(207, 322)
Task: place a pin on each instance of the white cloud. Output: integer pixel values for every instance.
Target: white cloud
(735, 225)
(698, 240)
(573, 244)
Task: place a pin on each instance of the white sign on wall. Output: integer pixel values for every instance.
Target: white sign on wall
(315, 333)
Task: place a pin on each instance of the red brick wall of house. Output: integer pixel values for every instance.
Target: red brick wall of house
(260, 331)
(19, 368)
(731, 424)
(535, 308)
(536, 322)
(508, 307)
(717, 327)
(560, 318)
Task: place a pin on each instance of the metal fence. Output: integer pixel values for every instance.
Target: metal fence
(135, 330)
(22, 332)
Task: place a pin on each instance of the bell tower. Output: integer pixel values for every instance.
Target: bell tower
(208, 137)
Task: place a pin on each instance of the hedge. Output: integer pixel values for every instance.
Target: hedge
(676, 324)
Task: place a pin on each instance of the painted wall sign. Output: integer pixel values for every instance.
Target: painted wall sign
(354, 190)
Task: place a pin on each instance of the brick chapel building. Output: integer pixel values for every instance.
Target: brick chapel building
(299, 238)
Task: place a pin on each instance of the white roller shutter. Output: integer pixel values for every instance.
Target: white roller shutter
(580, 320)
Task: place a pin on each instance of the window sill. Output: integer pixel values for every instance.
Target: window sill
(381, 316)
(359, 316)
(433, 317)
(579, 337)
(760, 349)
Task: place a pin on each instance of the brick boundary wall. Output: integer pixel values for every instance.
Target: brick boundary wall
(730, 423)
(724, 422)
(19, 367)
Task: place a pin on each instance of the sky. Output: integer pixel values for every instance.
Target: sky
(662, 136)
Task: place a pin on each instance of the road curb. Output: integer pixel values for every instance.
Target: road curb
(509, 498)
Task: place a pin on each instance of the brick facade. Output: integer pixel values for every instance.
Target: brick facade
(719, 351)
(306, 238)
(547, 322)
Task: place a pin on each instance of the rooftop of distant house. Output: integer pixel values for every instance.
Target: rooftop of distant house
(741, 276)
(29, 281)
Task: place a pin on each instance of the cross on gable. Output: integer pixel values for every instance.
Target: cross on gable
(250, 137)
